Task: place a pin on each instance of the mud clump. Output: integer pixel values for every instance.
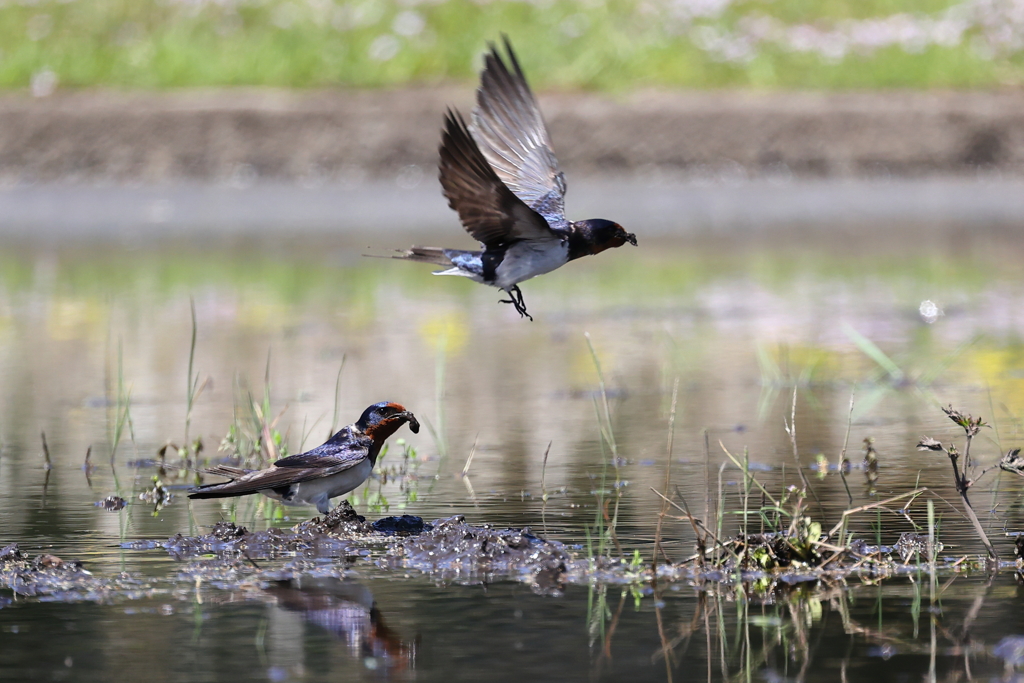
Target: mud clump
(454, 550)
(341, 533)
(341, 521)
(226, 539)
(112, 503)
(10, 553)
(53, 578)
(401, 526)
(48, 561)
(13, 564)
(910, 545)
(227, 531)
(769, 549)
(448, 549)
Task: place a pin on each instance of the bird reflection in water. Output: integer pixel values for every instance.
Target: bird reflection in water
(347, 609)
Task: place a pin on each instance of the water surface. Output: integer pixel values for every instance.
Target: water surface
(91, 329)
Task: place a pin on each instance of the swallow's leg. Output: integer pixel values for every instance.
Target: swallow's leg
(516, 299)
(522, 304)
(323, 504)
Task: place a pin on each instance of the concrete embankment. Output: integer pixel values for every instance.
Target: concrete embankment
(244, 136)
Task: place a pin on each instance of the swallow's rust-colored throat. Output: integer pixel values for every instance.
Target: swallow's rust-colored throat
(381, 430)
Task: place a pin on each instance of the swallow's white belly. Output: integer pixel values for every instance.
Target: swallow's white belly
(319, 491)
(524, 260)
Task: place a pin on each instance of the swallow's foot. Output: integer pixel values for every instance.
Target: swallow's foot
(516, 299)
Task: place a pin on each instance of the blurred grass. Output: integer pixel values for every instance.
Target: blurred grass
(590, 44)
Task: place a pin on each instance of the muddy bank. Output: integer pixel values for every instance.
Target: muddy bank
(339, 136)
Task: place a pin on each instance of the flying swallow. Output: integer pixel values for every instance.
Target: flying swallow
(501, 176)
(327, 471)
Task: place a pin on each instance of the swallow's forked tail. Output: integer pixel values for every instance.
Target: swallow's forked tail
(465, 263)
(224, 489)
(455, 261)
(434, 255)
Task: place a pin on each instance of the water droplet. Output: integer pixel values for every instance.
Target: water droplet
(930, 311)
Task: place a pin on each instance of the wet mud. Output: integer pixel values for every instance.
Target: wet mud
(450, 550)
(446, 549)
(50, 578)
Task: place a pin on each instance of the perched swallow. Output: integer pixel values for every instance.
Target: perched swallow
(327, 471)
(501, 176)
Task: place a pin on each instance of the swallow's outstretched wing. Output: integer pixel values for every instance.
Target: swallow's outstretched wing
(510, 129)
(342, 452)
(488, 209)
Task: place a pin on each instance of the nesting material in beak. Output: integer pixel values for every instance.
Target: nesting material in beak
(414, 424)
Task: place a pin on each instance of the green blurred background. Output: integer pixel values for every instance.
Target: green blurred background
(564, 44)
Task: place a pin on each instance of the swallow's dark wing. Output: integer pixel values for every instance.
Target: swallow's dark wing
(488, 209)
(342, 451)
(510, 129)
(337, 455)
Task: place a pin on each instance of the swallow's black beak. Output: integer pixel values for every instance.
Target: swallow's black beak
(414, 424)
(631, 238)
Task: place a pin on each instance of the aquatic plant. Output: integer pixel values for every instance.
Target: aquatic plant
(961, 475)
(122, 409)
(790, 539)
(193, 390)
(605, 523)
(404, 472)
(253, 439)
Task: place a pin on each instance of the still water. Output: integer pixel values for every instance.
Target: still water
(95, 344)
